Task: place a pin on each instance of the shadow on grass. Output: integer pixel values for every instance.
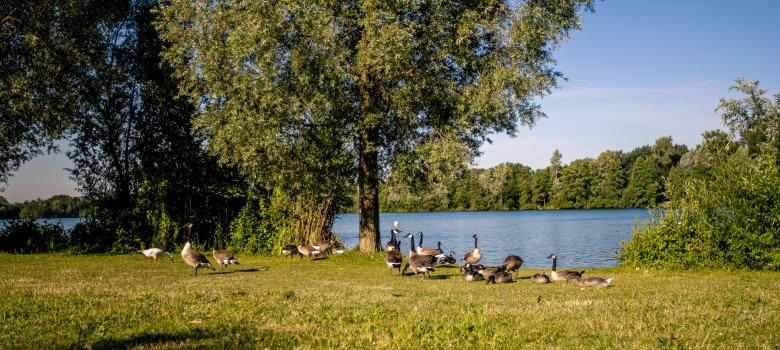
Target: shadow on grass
(240, 271)
(197, 338)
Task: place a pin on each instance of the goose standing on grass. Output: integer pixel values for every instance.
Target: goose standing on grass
(419, 262)
(565, 275)
(512, 263)
(540, 278)
(155, 253)
(290, 250)
(393, 244)
(194, 258)
(428, 251)
(308, 250)
(597, 282)
(224, 258)
(323, 246)
(475, 255)
(394, 258)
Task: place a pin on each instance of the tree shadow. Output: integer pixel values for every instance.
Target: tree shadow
(150, 338)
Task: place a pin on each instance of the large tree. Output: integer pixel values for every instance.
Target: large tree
(45, 52)
(360, 82)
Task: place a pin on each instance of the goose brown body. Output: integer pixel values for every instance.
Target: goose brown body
(512, 263)
(394, 259)
(565, 275)
(597, 282)
(419, 262)
(540, 278)
(475, 255)
(194, 258)
(224, 258)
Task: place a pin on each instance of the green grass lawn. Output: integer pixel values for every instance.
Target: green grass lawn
(354, 301)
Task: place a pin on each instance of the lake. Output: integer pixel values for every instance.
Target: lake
(580, 238)
(66, 223)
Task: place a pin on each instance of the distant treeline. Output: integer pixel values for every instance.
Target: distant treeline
(615, 179)
(60, 206)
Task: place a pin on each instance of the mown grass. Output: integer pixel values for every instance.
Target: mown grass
(353, 301)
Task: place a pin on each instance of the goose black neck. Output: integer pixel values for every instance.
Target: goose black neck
(411, 237)
(555, 260)
(475, 242)
(421, 238)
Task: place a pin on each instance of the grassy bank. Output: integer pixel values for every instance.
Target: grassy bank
(353, 301)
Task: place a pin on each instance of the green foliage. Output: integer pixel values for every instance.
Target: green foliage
(255, 227)
(27, 236)
(90, 237)
(731, 220)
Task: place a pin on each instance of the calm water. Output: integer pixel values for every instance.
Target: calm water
(581, 238)
(66, 223)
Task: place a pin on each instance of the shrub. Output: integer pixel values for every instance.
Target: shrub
(27, 236)
(90, 237)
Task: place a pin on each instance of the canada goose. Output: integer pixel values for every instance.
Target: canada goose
(469, 275)
(565, 275)
(290, 250)
(512, 263)
(499, 276)
(428, 251)
(155, 253)
(308, 250)
(194, 258)
(339, 249)
(540, 278)
(224, 258)
(394, 258)
(488, 271)
(323, 246)
(473, 256)
(419, 262)
(448, 259)
(597, 282)
(392, 244)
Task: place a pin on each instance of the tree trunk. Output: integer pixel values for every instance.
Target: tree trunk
(368, 188)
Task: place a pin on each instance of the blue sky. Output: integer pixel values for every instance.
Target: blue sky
(638, 71)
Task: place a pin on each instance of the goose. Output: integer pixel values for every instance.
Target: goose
(419, 262)
(290, 250)
(194, 258)
(512, 263)
(394, 258)
(323, 246)
(392, 244)
(564, 275)
(339, 249)
(224, 258)
(540, 278)
(499, 276)
(308, 250)
(473, 256)
(488, 271)
(597, 282)
(469, 275)
(155, 253)
(428, 251)
(448, 259)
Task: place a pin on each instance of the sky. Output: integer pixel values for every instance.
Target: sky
(636, 72)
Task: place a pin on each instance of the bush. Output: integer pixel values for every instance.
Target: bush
(731, 221)
(27, 236)
(90, 237)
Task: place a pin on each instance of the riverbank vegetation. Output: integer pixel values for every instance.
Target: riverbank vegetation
(353, 301)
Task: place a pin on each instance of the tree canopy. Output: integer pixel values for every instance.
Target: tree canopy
(340, 89)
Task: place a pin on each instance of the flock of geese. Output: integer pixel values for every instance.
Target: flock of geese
(421, 260)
